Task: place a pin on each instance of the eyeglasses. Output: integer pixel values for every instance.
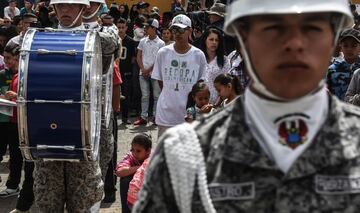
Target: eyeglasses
(178, 30)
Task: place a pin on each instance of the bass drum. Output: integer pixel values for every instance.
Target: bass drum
(59, 95)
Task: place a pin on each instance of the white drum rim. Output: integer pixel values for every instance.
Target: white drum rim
(92, 52)
(22, 91)
(107, 91)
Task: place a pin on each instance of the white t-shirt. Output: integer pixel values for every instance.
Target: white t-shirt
(9, 14)
(2, 62)
(179, 72)
(149, 50)
(138, 34)
(211, 72)
(15, 40)
(234, 62)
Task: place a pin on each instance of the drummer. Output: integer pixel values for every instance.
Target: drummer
(76, 184)
(107, 145)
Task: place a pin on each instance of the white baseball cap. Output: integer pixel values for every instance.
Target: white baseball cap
(152, 22)
(181, 21)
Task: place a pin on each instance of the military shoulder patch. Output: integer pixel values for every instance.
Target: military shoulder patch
(232, 191)
(331, 185)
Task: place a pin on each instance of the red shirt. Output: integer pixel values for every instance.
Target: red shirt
(117, 77)
(128, 161)
(136, 183)
(13, 87)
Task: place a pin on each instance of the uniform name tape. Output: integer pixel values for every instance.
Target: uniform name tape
(239, 191)
(337, 184)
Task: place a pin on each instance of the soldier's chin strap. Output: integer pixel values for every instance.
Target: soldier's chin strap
(93, 14)
(75, 20)
(258, 85)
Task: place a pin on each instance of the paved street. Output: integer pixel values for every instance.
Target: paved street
(126, 133)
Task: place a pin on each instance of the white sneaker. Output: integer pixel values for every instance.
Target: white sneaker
(9, 192)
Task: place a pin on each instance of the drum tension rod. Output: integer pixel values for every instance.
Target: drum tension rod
(40, 101)
(71, 148)
(65, 52)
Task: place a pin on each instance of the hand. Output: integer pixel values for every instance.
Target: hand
(146, 73)
(134, 169)
(206, 108)
(10, 95)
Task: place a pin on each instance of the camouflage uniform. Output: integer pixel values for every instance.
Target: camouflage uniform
(78, 184)
(106, 147)
(242, 178)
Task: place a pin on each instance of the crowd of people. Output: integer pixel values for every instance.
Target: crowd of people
(256, 92)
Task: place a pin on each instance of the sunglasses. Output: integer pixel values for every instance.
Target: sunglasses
(178, 30)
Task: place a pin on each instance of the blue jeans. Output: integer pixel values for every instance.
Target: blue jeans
(145, 95)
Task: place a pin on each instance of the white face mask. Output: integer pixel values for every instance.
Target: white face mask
(285, 129)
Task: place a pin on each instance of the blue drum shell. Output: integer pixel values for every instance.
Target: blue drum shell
(55, 77)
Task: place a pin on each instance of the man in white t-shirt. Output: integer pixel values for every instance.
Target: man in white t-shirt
(147, 50)
(11, 11)
(177, 67)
